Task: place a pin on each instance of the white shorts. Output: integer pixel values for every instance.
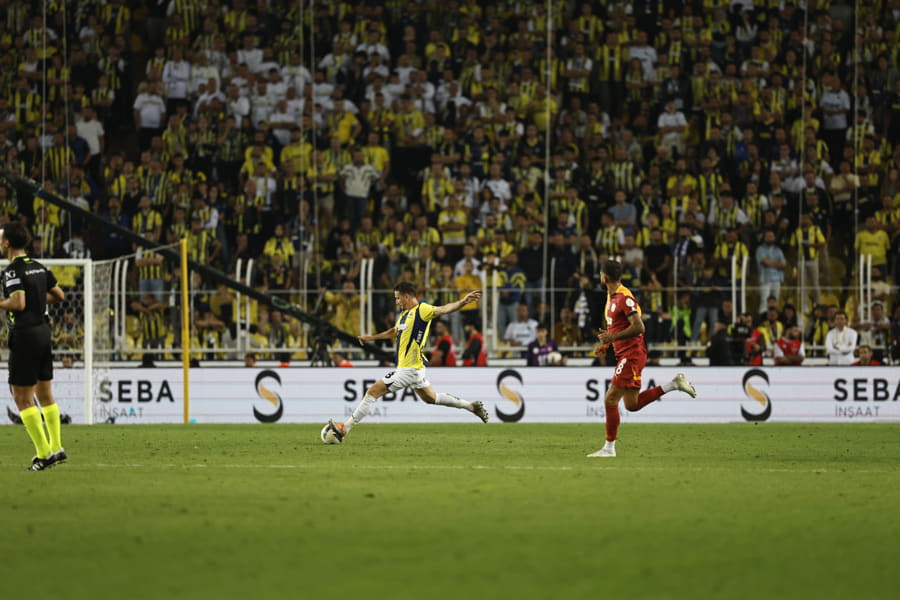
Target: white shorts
(404, 378)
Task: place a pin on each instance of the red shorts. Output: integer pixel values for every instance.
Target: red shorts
(628, 370)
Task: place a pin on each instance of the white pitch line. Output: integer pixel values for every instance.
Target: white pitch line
(84, 466)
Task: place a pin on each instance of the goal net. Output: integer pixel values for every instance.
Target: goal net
(84, 310)
(86, 330)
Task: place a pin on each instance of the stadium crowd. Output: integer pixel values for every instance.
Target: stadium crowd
(419, 133)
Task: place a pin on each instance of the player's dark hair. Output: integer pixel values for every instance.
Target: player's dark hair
(17, 235)
(405, 287)
(613, 270)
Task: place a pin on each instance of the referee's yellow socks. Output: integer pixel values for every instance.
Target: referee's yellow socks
(31, 418)
(51, 418)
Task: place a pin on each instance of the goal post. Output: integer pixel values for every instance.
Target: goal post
(87, 330)
(78, 327)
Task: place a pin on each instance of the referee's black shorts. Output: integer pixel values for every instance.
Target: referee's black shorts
(30, 355)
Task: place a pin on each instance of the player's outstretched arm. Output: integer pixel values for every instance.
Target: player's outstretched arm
(384, 335)
(446, 309)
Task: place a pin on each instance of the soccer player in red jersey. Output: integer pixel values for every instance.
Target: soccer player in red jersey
(625, 331)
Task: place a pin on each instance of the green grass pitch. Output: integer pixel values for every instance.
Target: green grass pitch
(455, 511)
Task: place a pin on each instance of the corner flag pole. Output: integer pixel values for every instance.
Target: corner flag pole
(185, 330)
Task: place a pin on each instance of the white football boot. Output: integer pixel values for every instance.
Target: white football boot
(603, 452)
(684, 385)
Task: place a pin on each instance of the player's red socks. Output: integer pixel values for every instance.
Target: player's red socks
(648, 396)
(612, 422)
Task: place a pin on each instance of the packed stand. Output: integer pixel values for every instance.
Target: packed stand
(425, 136)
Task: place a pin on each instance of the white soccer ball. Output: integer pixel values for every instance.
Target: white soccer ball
(554, 359)
(328, 437)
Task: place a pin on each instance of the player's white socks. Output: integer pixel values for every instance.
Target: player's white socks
(610, 445)
(451, 400)
(669, 386)
(360, 412)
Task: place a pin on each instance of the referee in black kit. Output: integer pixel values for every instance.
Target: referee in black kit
(27, 288)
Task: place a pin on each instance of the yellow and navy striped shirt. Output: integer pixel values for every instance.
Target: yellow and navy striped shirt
(412, 333)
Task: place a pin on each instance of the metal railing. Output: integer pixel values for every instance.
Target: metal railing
(240, 341)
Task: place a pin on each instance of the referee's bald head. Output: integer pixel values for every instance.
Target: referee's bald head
(16, 234)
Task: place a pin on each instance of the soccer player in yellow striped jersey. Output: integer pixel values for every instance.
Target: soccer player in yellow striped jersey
(410, 335)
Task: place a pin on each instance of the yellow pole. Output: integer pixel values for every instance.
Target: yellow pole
(185, 331)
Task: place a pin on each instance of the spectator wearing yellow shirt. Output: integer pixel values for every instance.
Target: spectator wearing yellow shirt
(888, 216)
(146, 220)
(808, 241)
(409, 124)
(203, 247)
(681, 182)
(465, 283)
(875, 242)
(278, 276)
(279, 243)
(377, 155)
(257, 152)
(381, 118)
(452, 222)
(344, 307)
(68, 334)
(342, 124)
(367, 234)
(323, 175)
(298, 152)
(868, 165)
(436, 188)
(543, 109)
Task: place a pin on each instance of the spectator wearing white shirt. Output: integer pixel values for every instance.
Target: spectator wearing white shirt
(238, 106)
(275, 85)
(356, 179)
(377, 87)
(250, 54)
(243, 79)
(840, 342)
(176, 76)
(332, 63)
(376, 67)
(201, 74)
(468, 256)
(265, 187)
(322, 90)
(523, 330)
(149, 109)
(281, 122)
(499, 187)
(295, 103)
(218, 58)
(268, 63)
(645, 53)
(91, 130)
(349, 105)
(672, 127)
(295, 74)
(210, 99)
(261, 104)
(451, 101)
(422, 91)
(404, 68)
(835, 105)
(373, 44)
